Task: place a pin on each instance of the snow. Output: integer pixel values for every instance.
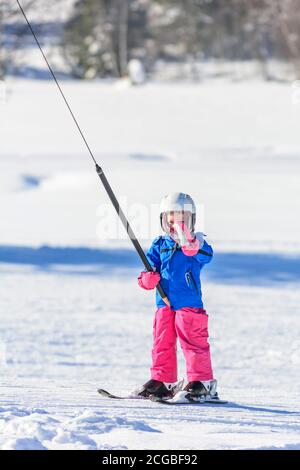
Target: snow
(72, 317)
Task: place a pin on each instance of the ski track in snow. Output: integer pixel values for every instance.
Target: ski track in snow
(72, 318)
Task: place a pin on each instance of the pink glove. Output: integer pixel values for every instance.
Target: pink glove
(190, 245)
(192, 248)
(148, 279)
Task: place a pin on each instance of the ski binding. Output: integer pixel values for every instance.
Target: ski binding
(186, 398)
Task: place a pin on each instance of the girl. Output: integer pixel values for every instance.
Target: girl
(177, 259)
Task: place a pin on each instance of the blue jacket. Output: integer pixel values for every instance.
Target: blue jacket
(180, 274)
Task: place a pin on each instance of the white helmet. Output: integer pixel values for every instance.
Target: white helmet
(178, 202)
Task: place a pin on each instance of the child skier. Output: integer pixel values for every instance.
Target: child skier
(177, 259)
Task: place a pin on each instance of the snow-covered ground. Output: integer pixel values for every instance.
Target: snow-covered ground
(72, 317)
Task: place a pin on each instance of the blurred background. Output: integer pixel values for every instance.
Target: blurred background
(194, 39)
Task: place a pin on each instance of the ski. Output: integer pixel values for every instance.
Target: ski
(187, 402)
(135, 394)
(106, 394)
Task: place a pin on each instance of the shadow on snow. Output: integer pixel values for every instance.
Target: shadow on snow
(237, 268)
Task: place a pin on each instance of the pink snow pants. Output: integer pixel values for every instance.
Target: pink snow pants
(190, 326)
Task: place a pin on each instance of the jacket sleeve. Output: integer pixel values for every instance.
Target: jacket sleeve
(205, 254)
(153, 254)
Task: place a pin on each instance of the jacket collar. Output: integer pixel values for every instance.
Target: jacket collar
(169, 240)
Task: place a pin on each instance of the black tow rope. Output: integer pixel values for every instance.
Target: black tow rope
(99, 170)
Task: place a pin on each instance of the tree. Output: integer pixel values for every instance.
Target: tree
(286, 29)
(9, 19)
(101, 35)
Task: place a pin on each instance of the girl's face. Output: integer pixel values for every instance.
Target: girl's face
(175, 217)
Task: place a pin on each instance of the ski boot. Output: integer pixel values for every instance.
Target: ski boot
(157, 388)
(205, 391)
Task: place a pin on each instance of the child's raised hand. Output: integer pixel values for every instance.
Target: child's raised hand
(190, 245)
(148, 279)
(192, 248)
